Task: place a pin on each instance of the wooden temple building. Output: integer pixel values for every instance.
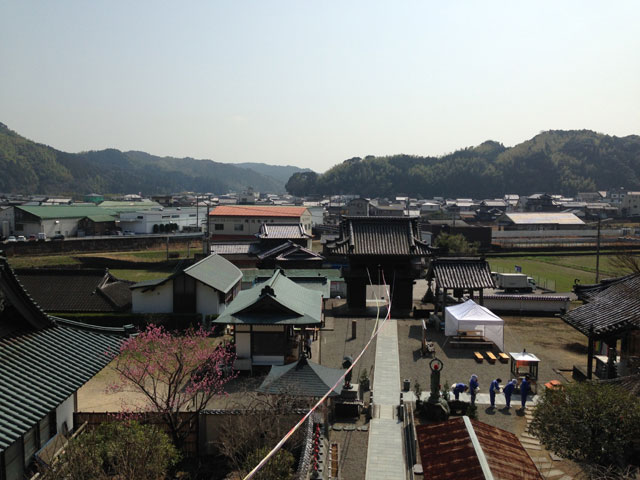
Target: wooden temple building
(380, 250)
(458, 276)
(610, 316)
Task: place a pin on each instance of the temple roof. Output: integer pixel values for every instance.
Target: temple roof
(455, 272)
(278, 301)
(43, 359)
(613, 306)
(282, 231)
(379, 236)
(303, 379)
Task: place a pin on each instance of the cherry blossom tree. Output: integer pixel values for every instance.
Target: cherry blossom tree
(177, 374)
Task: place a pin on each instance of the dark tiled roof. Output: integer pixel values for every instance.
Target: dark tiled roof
(461, 273)
(631, 383)
(289, 250)
(379, 236)
(613, 307)
(302, 378)
(69, 290)
(282, 230)
(448, 453)
(234, 248)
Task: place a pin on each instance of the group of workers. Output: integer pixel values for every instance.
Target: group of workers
(494, 388)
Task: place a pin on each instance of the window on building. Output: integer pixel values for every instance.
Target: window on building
(238, 227)
(219, 226)
(140, 217)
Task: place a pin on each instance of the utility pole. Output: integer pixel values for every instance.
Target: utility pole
(598, 253)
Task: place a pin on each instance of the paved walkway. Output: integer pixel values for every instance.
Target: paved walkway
(385, 455)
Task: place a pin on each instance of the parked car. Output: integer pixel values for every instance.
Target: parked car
(32, 238)
(11, 239)
(128, 233)
(42, 237)
(22, 238)
(58, 236)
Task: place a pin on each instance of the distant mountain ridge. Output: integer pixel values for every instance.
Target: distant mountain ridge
(555, 161)
(30, 167)
(281, 173)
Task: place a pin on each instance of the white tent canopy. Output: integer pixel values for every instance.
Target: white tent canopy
(471, 316)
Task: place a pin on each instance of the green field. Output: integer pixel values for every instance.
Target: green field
(558, 273)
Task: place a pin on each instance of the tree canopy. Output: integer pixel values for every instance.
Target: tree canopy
(589, 423)
(564, 162)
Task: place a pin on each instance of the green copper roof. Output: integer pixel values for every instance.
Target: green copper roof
(66, 211)
(215, 271)
(278, 301)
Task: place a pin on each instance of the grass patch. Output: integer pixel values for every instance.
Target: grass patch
(558, 275)
(44, 261)
(141, 275)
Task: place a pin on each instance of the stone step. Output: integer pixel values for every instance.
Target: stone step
(527, 435)
(553, 473)
(530, 441)
(554, 457)
(532, 447)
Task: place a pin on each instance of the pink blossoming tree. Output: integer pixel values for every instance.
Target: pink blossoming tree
(175, 373)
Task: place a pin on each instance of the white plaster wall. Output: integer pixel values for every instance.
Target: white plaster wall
(207, 302)
(243, 345)
(64, 413)
(158, 300)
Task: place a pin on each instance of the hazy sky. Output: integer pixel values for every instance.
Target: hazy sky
(314, 83)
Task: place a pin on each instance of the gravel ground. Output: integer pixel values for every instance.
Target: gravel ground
(546, 337)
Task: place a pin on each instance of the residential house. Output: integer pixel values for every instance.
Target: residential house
(243, 222)
(268, 321)
(206, 287)
(630, 205)
(43, 362)
(358, 207)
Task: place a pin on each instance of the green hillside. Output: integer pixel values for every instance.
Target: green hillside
(564, 162)
(29, 167)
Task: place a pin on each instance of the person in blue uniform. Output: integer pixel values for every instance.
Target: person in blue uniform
(493, 389)
(458, 388)
(524, 390)
(508, 391)
(474, 386)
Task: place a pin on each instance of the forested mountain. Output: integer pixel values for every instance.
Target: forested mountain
(29, 167)
(556, 161)
(282, 173)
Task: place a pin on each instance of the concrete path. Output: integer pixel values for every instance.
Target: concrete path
(385, 454)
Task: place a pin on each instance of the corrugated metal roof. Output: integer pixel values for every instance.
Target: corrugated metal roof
(613, 307)
(256, 211)
(544, 218)
(302, 379)
(379, 236)
(461, 273)
(278, 301)
(101, 218)
(447, 452)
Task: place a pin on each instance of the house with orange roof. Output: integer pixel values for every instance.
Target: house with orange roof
(243, 222)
